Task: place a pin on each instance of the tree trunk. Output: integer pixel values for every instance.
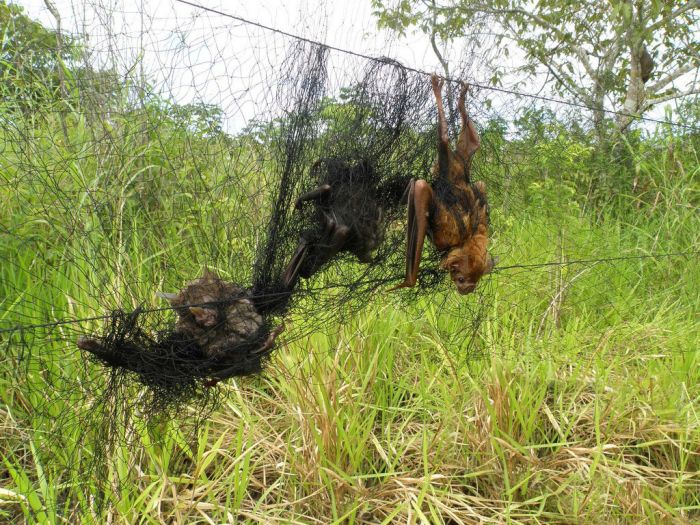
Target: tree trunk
(636, 94)
(598, 98)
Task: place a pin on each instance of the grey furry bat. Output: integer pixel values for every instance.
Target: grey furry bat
(215, 314)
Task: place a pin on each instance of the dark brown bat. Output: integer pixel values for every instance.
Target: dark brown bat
(347, 218)
(217, 315)
(646, 65)
(453, 212)
(219, 333)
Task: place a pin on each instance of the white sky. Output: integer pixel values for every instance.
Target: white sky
(347, 24)
(194, 56)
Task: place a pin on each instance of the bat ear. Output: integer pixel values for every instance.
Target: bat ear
(209, 275)
(203, 316)
(170, 297)
(491, 263)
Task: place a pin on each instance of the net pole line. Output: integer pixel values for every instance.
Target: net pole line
(596, 261)
(21, 328)
(422, 72)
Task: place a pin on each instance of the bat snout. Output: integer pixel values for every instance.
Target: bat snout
(464, 285)
(466, 288)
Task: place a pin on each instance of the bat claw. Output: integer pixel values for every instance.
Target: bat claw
(437, 81)
(267, 345)
(277, 331)
(404, 284)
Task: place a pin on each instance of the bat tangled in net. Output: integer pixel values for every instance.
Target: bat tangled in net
(219, 334)
(347, 217)
(224, 330)
(453, 212)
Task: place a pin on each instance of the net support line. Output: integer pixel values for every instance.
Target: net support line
(449, 79)
(22, 328)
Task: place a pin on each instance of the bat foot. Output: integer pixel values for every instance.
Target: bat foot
(463, 88)
(437, 82)
(405, 284)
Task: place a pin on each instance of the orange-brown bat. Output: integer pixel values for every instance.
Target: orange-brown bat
(453, 212)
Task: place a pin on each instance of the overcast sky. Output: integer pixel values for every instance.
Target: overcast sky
(191, 55)
(347, 24)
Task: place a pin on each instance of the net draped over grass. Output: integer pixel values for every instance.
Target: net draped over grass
(561, 392)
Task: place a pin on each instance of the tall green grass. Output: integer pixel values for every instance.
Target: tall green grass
(578, 401)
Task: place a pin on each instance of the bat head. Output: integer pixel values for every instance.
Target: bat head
(467, 267)
(198, 293)
(215, 314)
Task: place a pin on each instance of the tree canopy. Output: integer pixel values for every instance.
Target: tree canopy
(626, 55)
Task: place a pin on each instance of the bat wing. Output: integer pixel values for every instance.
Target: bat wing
(420, 196)
(291, 274)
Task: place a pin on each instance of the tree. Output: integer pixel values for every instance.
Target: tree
(627, 54)
(31, 56)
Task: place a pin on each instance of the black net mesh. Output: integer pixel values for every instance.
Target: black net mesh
(151, 249)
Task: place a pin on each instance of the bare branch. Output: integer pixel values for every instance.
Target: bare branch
(661, 83)
(692, 4)
(438, 54)
(693, 90)
(441, 58)
(566, 81)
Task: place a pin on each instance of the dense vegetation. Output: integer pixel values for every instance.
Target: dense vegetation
(578, 402)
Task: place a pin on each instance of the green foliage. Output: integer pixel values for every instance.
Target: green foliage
(589, 53)
(30, 57)
(26, 44)
(575, 369)
(578, 401)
